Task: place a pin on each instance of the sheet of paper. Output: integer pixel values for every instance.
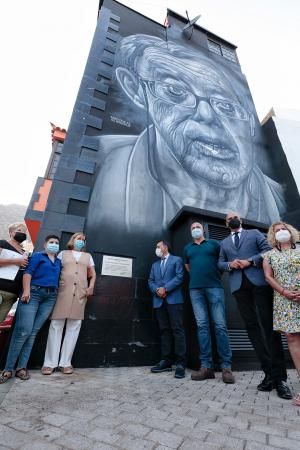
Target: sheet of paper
(9, 272)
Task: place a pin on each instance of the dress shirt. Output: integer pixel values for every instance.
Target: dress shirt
(43, 271)
(239, 233)
(164, 260)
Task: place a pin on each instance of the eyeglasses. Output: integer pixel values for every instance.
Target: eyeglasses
(177, 95)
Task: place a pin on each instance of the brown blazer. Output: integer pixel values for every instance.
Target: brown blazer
(71, 298)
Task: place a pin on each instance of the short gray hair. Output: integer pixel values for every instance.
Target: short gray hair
(14, 226)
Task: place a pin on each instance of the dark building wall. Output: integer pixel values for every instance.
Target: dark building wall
(274, 151)
(163, 120)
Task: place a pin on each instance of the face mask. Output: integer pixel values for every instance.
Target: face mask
(197, 233)
(20, 237)
(283, 236)
(79, 244)
(52, 248)
(158, 252)
(234, 223)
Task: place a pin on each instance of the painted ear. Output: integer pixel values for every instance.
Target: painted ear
(131, 86)
(252, 125)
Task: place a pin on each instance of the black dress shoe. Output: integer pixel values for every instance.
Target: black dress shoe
(162, 366)
(266, 385)
(180, 371)
(283, 391)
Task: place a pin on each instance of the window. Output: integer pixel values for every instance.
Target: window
(229, 53)
(222, 50)
(214, 47)
(54, 164)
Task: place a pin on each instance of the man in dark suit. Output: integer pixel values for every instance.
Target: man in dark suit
(165, 282)
(241, 255)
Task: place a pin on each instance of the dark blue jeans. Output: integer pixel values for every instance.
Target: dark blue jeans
(205, 301)
(30, 317)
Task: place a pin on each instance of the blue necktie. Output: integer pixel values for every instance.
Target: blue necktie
(162, 266)
(236, 239)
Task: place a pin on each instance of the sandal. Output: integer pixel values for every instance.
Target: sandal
(296, 400)
(5, 376)
(47, 370)
(22, 374)
(67, 370)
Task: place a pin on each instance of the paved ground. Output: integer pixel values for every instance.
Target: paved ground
(130, 408)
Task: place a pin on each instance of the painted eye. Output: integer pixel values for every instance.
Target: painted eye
(175, 94)
(228, 109)
(171, 92)
(176, 91)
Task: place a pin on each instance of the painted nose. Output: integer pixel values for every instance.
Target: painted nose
(204, 112)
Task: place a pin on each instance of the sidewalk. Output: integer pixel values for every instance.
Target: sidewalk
(130, 408)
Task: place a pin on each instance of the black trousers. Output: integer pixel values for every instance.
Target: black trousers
(170, 321)
(255, 304)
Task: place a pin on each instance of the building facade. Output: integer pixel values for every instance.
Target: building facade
(164, 130)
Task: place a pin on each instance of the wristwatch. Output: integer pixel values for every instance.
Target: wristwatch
(252, 263)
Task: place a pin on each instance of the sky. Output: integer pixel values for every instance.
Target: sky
(45, 45)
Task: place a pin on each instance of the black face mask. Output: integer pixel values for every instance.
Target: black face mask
(234, 223)
(20, 237)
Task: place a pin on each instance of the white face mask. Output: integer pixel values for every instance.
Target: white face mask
(197, 233)
(158, 252)
(283, 236)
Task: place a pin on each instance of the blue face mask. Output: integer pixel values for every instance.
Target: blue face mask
(79, 244)
(197, 233)
(52, 247)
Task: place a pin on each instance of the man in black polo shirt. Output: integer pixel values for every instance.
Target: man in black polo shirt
(207, 296)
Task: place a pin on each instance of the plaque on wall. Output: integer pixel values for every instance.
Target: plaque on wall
(116, 266)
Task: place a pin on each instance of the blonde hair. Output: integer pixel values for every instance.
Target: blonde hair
(271, 233)
(70, 244)
(14, 226)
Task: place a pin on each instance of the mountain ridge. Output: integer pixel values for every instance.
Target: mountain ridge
(10, 214)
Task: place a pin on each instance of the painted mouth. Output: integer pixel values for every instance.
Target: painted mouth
(214, 150)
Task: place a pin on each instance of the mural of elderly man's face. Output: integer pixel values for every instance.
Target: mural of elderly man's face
(196, 112)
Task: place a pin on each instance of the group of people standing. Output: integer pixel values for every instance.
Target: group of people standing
(48, 283)
(57, 284)
(264, 277)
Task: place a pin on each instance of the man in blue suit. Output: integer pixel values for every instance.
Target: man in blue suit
(165, 282)
(241, 255)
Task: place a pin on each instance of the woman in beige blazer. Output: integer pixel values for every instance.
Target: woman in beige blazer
(77, 282)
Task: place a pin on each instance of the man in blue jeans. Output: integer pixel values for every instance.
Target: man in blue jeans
(207, 297)
(40, 285)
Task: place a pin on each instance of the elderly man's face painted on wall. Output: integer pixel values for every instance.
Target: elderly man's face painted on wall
(199, 117)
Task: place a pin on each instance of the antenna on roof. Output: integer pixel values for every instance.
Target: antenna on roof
(167, 25)
(189, 27)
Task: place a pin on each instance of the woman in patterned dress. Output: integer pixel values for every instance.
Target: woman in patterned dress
(282, 271)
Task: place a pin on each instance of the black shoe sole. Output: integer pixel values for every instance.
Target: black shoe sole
(168, 369)
(179, 376)
(287, 397)
(265, 389)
